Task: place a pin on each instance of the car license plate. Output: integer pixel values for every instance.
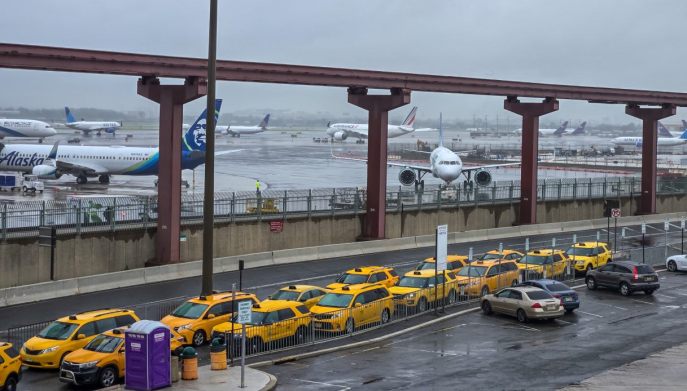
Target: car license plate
(568, 299)
(551, 307)
(649, 278)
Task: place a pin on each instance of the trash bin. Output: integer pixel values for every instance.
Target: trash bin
(147, 356)
(189, 364)
(218, 354)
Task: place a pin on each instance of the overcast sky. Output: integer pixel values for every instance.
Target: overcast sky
(614, 43)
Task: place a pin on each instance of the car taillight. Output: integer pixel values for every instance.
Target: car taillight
(635, 273)
(536, 305)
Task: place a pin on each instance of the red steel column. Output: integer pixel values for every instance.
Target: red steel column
(378, 107)
(530, 113)
(171, 99)
(650, 118)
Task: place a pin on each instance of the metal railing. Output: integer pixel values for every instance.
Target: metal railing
(78, 215)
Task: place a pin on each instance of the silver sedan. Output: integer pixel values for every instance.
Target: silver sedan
(524, 303)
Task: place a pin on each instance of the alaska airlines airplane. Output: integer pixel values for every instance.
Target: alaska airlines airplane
(25, 128)
(90, 126)
(85, 162)
(237, 131)
(661, 141)
(443, 164)
(342, 131)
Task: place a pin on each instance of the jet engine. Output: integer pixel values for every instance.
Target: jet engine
(44, 171)
(340, 135)
(483, 178)
(407, 177)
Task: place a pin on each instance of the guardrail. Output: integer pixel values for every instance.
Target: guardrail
(78, 215)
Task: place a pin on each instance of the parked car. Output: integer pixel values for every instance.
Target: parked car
(418, 288)
(524, 303)
(308, 295)
(569, 298)
(543, 263)
(628, 277)
(677, 263)
(368, 274)
(589, 255)
(10, 367)
(482, 277)
(344, 309)
(453, 263)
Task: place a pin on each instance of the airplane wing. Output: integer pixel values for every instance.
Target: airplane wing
(219, 153)
(487, 166)
(426, 130)
(411, 166)
(354, 133)
(79, 168)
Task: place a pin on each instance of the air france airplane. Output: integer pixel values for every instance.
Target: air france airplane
(90, 126)
(237, 131)
(661, 141)
(85, 162)
(443, 164)
(342, 131)
(25, 128)
(559, 131)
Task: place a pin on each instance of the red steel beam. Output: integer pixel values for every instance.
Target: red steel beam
(131, 64)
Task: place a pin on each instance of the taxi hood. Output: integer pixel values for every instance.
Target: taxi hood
(336, 285)
(173, 321)
(81, 356)
(38, 343)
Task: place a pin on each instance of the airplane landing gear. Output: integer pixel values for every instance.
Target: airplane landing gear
(40, 141)
(81, 179)
(104, 179)
(360, 141)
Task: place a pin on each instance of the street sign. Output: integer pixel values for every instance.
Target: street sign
(442, 247)
(666, 226)
(47, 236)
(615, 212)
(682, 225)
(276, 226)
(470, 254)
(553, 243)
(527, 244)
(574, 238)
(643, 228)
(623, 234)
(245, 311)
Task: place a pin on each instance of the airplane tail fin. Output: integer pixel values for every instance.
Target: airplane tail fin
(53, 151)
(683, 136)
(70, 117)
(410, 119)
(684, 125)
(580, 129)
(194, 138)
(441, 131)
(561, 129)
(264, 122)
(663, 131)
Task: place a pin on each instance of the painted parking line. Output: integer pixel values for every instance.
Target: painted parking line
(342, 388)
(590, 314)
(642, 301)
(662, 295)
(435, 352)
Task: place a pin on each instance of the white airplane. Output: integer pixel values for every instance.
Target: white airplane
(661, 141)
(25, 128)
(549, 132)
(665, 132)
(443, 164)
(84, 162)
(91, 126)
(342, 131)
(237, 131)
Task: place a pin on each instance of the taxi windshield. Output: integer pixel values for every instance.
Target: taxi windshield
(190, 310)
(414, 282)
(534, 259)
(347, 278)
(58, 330)
(256, 318)
(490, 256)
(285, 295)
(472, 271)
(103, 344)
(426, 266)
(336, 300)
(580, 251)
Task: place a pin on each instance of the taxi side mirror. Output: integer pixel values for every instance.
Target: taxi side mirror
(211, 316)
(80, 337)
(358, 305)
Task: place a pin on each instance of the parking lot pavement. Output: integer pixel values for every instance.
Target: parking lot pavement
(476, 351)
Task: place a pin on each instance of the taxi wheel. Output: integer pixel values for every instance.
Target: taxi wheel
(385, 316)
(422, 305)
(199, 338)
(11, 384)
(591, 283)
(107, 377)
(350, 326)
(522, 316)
(62, 359)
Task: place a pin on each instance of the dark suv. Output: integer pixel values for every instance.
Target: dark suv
(628, 277)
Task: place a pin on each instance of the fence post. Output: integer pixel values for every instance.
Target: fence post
(398, 199)
(560, 188)
(510, 191)
(605, 185)
(41, 218)
(4, 221)
(439, 197)
(284, 206)
(332, 204)
(113, 215)
(589, 190)
(309, 202)
(493, 194)
(146, 211)
(575, 189)
(232, 207)
(78, 218)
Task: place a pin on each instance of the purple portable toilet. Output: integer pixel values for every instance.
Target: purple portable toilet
(148, 356)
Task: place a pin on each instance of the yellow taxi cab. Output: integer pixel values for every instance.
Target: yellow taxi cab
(308, 295)
(506, 254)
(586, 256)
(101, 362)
(453, 263)
(195, 318)
(368, 274)
(416, 289)
(10, 367)
(70, 333)
(272, 321)
(544, 263)
(346, 308)
(483, 277)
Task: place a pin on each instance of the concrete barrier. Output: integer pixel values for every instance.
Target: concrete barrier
(80, 285)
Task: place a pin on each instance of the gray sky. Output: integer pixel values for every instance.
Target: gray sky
(614, 43)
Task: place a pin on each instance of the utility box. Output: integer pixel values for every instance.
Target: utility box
(147, 355)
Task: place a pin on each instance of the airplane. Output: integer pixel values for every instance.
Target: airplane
(665, 132)
(576, 131)
(342, 131)
(91, 126)
(547, 132)
(443, 164)
(85, 162)
(25, 128)
(237, 131)
(661, 141)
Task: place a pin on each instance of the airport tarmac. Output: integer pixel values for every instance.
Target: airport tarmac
(301, 163)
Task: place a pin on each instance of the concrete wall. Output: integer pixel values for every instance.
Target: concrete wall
(23, 262)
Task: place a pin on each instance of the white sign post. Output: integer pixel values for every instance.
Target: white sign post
(245, 313)
(440, 263)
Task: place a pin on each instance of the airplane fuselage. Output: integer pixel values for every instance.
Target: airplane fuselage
(94, 126)
(25, 128)
(637, 141)
(361, 131)
(239, 130)
(445, 164)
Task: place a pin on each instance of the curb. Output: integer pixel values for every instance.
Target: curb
(272, 384)
(316, 353)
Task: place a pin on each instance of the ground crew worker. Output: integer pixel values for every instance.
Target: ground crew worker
(257, 186)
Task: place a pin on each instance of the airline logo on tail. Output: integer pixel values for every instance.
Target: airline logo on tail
(409, 122)
(580, 129)
(684, 135)
(70, 117)
(194, 139)
(264, 122)
(561, 129)
(663, 131)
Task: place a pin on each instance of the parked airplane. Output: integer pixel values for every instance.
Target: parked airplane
(84, 162)
(443, 164)
(90, 126)
(342, 131)
(661, 141)
(25, 128)
(665, 132)
(547, 132)
(237, 131)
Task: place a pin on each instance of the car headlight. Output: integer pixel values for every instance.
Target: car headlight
(184, 327)
(410, 296)
(49, 350)
(473, 283)
(88, 365)
(580, 262)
